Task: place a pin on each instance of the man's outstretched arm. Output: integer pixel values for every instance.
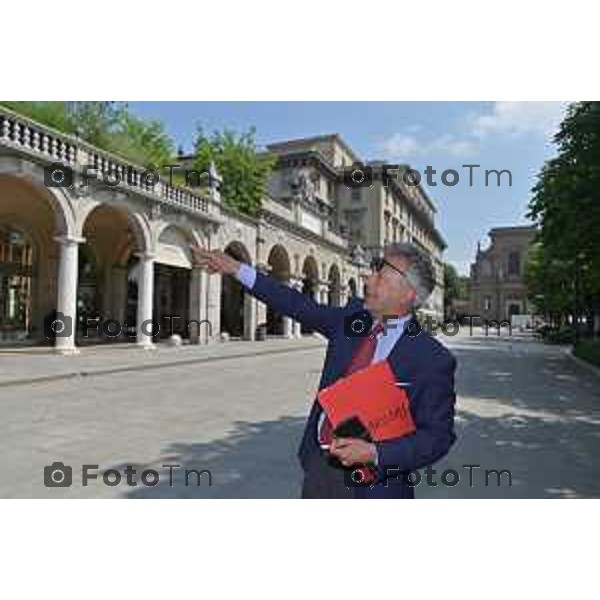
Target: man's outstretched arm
(280, 297)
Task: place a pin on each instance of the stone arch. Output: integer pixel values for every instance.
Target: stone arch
(173, 265)
(335, 286)
(238, 250)
(43, 215)
(310, 282)
(279, 261)
(114, 237)
(352, 287)
(174, 245)
(31, 177)
(233, 293)
(310, 276)
(137, 224)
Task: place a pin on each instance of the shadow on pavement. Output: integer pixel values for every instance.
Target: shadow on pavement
(537, 415)
(255, 460)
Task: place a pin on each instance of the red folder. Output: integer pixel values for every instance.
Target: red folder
(372, 395)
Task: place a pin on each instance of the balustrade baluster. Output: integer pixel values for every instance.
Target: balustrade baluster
(35, 140)
(5, 128)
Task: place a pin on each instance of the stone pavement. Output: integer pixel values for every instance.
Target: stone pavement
(526, 407)
(42, 365)
(238, 410)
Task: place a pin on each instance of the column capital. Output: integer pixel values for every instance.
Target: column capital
(145, 255)
(263, 267)
(69, 239)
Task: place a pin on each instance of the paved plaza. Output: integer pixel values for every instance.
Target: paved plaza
(238, 409)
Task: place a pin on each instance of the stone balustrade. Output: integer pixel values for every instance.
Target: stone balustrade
(24, 135)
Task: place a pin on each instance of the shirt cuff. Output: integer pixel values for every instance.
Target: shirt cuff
(376, 459)
(246, 275)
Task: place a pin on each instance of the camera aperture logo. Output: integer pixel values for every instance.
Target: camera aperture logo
(59, 475)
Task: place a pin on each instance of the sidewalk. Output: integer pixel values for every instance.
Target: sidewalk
(23, 368)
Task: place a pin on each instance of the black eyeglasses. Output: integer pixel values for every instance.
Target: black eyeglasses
(378, 262)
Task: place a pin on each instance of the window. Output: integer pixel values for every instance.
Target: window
(357, 194)
(487, 303)
(486, 268)
(317, 183)
(514, 264)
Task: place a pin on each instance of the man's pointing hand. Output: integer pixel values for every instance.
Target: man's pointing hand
(216, 261)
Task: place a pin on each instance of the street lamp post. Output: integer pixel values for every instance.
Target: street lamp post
(579, 258)
(540, 306)
(576, 301)
(498, 282)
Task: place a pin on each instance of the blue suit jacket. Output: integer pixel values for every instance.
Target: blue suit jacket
(419, 361)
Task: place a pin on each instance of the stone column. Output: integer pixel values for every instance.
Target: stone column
(66, 301)
(323, 290)
(119, 287)
(261, 307)
(250, 310)
(200, 332)
(261, 313)
(213, 305)
(343, 297)
(207, 333)
(194, 324)
(145, 301)
(296, 283)
(288, 326)
(297, 329)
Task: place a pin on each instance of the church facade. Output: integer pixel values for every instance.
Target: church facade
(497, 288)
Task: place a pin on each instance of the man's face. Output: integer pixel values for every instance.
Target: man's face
(388, 291)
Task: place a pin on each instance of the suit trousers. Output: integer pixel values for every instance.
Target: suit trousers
(321, 480)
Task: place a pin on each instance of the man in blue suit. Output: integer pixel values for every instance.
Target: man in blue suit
(380, 327)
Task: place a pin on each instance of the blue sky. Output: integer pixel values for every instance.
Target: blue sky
(443, 135)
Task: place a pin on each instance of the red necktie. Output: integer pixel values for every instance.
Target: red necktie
(361, 358)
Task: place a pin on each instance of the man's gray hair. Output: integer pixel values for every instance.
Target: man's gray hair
(420, 272)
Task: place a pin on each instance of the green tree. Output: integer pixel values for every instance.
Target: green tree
(244, 171)
(143, 142)
(549, 282)
(109, 126)
(451, 284)
(463, 287)
(53, 114)
(565, 201)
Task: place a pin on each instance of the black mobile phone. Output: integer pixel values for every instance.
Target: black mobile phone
(352, 427)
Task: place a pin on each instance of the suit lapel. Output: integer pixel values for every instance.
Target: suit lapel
(401, 356)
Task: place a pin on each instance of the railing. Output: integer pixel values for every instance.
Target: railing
(25, 135)
(336, 236)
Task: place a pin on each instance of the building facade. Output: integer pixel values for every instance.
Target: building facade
(121, 254)
(369, 216)
(497, 289)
